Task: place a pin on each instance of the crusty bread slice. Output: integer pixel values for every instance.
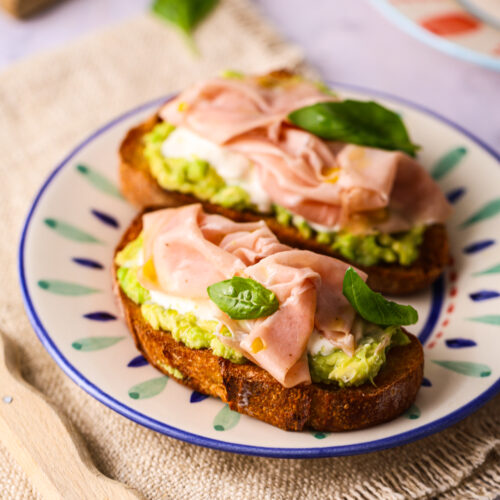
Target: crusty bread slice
(251, 390)
(141, 189)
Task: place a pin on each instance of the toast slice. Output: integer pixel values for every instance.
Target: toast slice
(250, 390)
(142, 190)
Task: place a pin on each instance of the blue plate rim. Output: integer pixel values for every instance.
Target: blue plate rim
(440, 43)
(144, 420)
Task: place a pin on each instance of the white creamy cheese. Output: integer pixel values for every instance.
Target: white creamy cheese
(324, 229)
(139, 258)
(201, 308)
(234, 168)
(319, 344)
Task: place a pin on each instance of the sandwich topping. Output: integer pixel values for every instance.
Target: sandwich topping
(235, 289)
(235, 142)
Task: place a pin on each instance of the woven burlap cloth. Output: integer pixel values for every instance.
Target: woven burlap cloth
(47, 105)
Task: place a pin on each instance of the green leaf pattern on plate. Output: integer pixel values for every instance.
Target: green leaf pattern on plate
(148, 389)
(466, 368)
(226, 419)
(89, 344)
(489, 270)
(69, 231)
(320, 435)
(66, 288)
(489, 319)
(448, 162)
(99, 181)
(413, 412)
(489, 210)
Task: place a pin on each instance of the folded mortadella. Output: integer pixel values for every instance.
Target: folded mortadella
(336, 185)
(220, 109)
(186, 250)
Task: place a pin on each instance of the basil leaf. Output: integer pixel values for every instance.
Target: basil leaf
(372, 306)
(243, 298)
(356, 122)
(185, 14)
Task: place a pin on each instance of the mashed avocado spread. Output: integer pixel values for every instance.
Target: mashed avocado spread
(195, 176)
(333, 367)
(366, 250)
(364, 365)
(185, 328)
(199, 178)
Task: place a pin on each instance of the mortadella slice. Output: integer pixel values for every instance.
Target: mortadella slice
(309, 289)
(335, 185)
(223, 108)
(186, 250)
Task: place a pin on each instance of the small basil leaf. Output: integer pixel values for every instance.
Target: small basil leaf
(185, 14)
(355, 122)
(372, 306)
(243, 298)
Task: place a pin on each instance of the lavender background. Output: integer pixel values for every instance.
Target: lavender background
(348, 41)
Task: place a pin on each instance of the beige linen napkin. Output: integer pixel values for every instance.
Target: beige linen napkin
(50, 103)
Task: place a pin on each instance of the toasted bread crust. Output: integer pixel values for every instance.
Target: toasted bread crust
(141, 189)
(251, 390)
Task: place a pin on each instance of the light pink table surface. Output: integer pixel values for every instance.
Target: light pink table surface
(347, 40)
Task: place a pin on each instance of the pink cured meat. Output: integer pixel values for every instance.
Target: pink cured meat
(329, 184)
(223, 108)
(309, 289)
(191, 250)
(326, 183)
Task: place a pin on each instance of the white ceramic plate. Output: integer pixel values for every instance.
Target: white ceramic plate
(66, 254)
(468, 29)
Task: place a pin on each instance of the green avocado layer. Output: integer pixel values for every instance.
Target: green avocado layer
(191, 331)
(196, 176)
(199, 178)
(185, 328)
(366, 362)
(366, 250)
(334, 367)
